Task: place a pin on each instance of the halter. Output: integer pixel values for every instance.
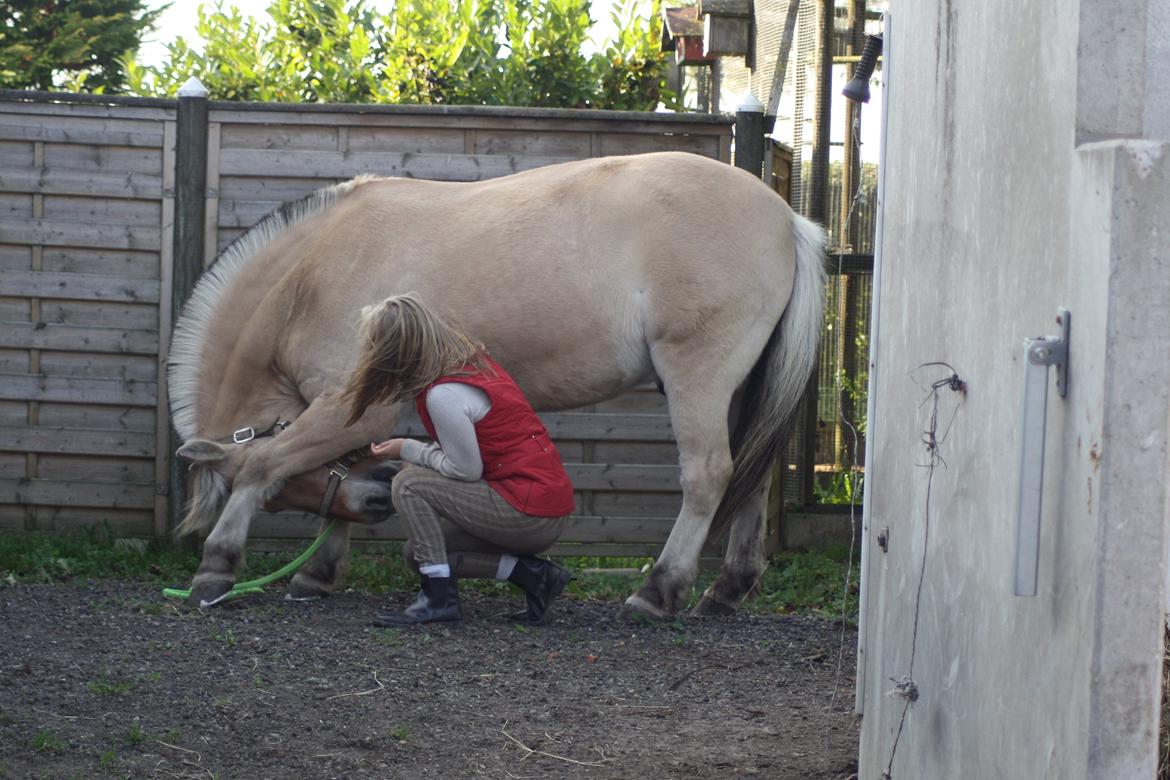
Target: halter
(338, 469)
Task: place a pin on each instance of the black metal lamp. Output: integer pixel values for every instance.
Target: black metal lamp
(857, 89)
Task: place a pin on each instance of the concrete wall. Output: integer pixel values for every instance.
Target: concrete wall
(993, 216)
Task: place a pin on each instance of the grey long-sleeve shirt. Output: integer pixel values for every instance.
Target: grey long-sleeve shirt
(454, 408)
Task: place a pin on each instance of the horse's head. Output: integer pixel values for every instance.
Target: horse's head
(360, 484)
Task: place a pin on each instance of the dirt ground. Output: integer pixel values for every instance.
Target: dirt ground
(111, 680)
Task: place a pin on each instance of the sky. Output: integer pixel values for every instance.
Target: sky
(180, 18)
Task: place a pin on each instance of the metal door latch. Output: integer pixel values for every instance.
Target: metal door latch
(1040, 354)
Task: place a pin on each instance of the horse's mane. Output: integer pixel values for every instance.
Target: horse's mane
(183, 362)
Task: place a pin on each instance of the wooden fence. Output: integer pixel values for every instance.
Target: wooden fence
(94, 228)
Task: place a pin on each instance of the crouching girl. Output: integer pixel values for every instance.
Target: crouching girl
(489, 492)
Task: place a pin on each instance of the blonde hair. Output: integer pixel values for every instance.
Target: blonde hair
(404, 348)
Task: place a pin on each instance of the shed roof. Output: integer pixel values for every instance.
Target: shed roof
(682, 21)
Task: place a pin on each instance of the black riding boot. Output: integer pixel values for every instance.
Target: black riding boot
(542, 581)
(437, 602)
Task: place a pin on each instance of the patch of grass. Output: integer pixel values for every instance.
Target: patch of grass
(91, 552)
(794, 582)
(388, 636)
(47, 742)
(108, 687)
(809, 582)
(381, 570)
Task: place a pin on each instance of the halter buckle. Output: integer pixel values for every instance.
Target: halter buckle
(338, 469)
(244, 435)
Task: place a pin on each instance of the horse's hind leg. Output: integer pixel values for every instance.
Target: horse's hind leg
(324, 571)
(699, 401)
(743, 563)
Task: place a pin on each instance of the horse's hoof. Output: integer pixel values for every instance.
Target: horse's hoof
(709, 607)
(306, 589)
(208, 593)
(639, 610)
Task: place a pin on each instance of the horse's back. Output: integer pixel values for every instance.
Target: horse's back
(566, 272)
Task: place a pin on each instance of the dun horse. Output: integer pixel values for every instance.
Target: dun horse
(582, 279)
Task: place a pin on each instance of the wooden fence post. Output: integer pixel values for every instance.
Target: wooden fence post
(749, 136)
(190, 211)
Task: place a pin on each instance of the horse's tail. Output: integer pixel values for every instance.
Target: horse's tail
(777, 381)
(208, 494)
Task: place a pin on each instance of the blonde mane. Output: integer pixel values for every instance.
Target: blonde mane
(186, 352)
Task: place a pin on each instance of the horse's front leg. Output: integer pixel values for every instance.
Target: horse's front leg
(223, 551)
(322, 573)
(314, 438)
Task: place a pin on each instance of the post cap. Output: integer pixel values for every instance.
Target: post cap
(750, 104)
(193, 87)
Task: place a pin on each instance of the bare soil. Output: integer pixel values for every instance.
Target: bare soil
(112, 680)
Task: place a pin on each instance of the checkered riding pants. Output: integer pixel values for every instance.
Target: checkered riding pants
(465, 524)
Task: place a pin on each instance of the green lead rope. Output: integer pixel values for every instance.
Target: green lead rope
(257, 585)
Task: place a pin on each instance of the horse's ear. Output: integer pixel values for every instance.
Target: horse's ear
(202, 451)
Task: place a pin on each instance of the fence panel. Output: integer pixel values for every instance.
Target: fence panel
(83, 247)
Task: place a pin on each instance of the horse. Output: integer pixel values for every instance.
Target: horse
(583, 279)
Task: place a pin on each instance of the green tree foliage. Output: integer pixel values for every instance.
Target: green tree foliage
(76, 44)
(466, 52)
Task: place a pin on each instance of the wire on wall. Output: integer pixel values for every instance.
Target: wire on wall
(906, 688)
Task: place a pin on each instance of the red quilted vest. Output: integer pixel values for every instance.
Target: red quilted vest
(519, 459)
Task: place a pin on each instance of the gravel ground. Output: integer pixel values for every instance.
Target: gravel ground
(111, 680)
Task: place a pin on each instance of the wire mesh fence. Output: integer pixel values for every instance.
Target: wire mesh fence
(833, 180)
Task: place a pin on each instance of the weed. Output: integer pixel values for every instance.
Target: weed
(108, 758)
(227, 636)
(173, 735)
(107, 687)
(841, 487)
(153, 677)
(47, 742)
(135, 735)
(400, 732)
(258, 681)
(223, 703)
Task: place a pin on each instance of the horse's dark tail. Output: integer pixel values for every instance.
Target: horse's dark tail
(777, 381)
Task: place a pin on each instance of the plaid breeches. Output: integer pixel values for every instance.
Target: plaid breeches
(469, 521)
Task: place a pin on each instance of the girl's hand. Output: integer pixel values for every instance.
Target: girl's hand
(391, 449)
